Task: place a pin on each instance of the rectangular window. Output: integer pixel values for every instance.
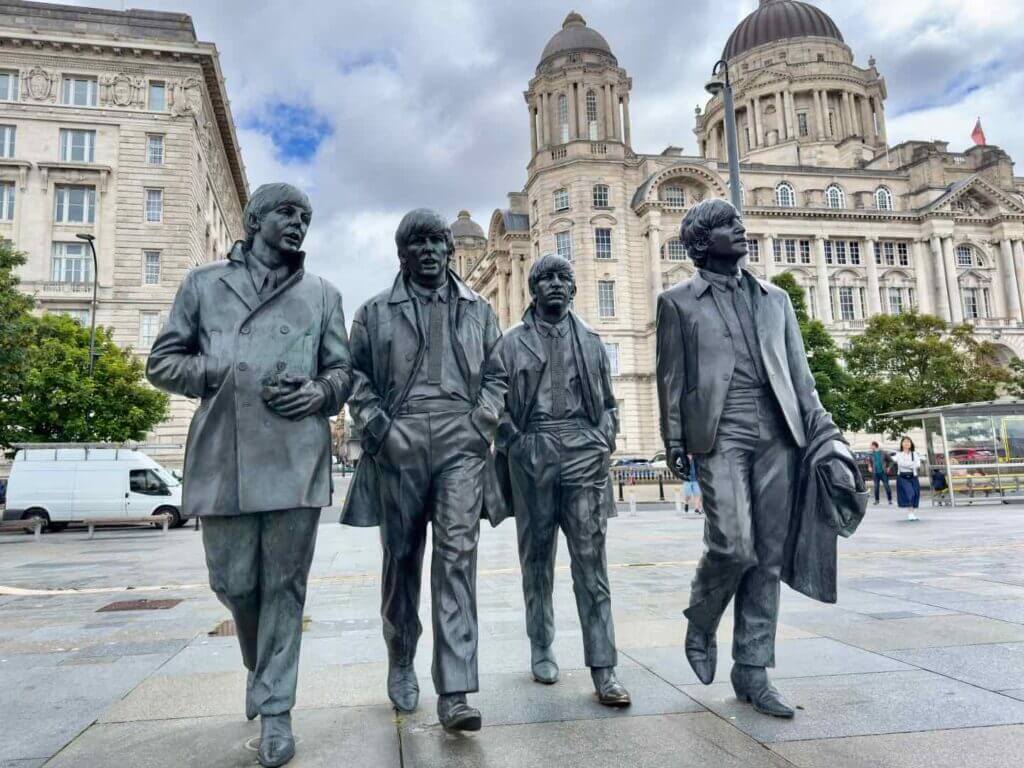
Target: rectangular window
(74, 204)
(676, 250)
(802, 126)
(986, 303)
(606, 298)
(777, 250)
(157, 96)
(7, 133)
(149, 327)
(753, 251)
(854, 252)
(151, 267)
(895, 301)
(846, 305)
(79, 91)
(80, 316)
(7, 201)
(972, 307)
(70, 263)
(603, 243)
(964, 257)
(612, 349)
(601, 196)
(863, 293)
(903, 254)
(563, 245)
(154, 206)
(155, 149)
(561, 198)
(829, 258)
(77, 146)
(8, 86)
(812, 302)
(805, 251)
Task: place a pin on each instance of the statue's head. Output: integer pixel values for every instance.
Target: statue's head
(279, 215)
(552, 284)
(713, 229)
(425, 245)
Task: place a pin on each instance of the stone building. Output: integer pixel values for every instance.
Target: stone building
(863, 226)
(116, 124)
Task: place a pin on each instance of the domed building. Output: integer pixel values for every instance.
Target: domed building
(865, 227)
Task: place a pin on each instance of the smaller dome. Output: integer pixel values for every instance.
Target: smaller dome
(464, 226)
(575, 35)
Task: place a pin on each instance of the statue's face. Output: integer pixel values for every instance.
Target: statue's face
(729, 240)
(554, 291)
(426, 256)
(284, 228)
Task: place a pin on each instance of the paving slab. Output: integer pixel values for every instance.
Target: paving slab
(857, 705)
(997, 667)
(325, 739)
(810, 657)
(678, 741)
(994, 747)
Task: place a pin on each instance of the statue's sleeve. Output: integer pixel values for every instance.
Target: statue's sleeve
(175, 363)
(507, 431)
(493, 380)
(365, 402)
(671, 373)
(610, 417)
(334, 361)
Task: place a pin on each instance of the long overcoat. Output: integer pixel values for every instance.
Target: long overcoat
(219, 344)
(524, 358)
(387, 349)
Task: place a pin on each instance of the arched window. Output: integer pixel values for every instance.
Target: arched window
(673, 195)
(563, 118)
(601, 196)
(834, 197)
(785, 197)
(592, 115)
(673, 250)
(883, 199)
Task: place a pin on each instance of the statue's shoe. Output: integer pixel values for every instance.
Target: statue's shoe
(610, 691)
(543, 665)
(251, 711)
(702, 653)
(456, 715)
(403, 688)
(277, 745)
(751, 684)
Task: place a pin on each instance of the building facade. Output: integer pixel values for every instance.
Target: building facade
(115, 124)
(865, 227)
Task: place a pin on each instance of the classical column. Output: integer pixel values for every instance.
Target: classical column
(768, 256)
(625, 118)
(851, 126)
(1018, 267)
(925, 297)
(533, 130)
(865, 116)
(780, 116)
(758, 122)
(956, 307)
(818, 119)
(616, 117)
(712, 146)
(654, 258)
(607, 94)
(824, 296)
(882, 134)
(502, 308)
(574, 125)
(545, 118)
(874, 294)
(1011, 288)
(516, 309)
(791, 129)
(942, 308)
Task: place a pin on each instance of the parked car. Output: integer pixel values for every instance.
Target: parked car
(62, 485)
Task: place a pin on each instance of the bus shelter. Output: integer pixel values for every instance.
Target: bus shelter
(977, 449)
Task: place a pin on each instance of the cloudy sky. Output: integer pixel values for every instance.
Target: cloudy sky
(376, 108)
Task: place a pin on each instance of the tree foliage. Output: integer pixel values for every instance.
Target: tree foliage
(47, 393)
(916, 361)
(823, 356)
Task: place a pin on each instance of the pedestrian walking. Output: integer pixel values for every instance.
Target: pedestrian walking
(908, 486)
(878, 473)
(691, 490)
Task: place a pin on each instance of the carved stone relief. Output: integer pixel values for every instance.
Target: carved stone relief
(122, 90)
(41, 84)
(187, 98)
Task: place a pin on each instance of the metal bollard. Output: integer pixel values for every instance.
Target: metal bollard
(661, 488)
(620, 487)
(679, 502)
(167, 523)
(632, 505)
(37, 532)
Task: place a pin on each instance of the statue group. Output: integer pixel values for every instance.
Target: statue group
(461, 422)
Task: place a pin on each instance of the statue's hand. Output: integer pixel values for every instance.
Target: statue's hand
(679, 462)
(297, 397)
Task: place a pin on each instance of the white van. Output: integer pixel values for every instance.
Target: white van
(63, 485)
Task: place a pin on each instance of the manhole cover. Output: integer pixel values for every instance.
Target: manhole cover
(227, 628)
(139, 605)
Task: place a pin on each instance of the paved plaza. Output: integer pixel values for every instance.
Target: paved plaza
(921, 663)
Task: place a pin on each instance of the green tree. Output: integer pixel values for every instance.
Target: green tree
(823, 356)
(15, 321)
(1015, 387)
(916, 361)
(55, 399)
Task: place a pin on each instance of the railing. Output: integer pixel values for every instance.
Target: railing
(598, 148)
(58, 287)
(559, 153)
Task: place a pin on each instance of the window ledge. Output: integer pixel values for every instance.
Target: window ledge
(102, 172)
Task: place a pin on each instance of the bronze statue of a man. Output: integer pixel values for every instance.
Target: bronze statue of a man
(735, 390)
(427, 395)
(554, 443)
(263, 344)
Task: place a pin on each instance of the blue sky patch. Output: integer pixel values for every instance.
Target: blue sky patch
(296, 130)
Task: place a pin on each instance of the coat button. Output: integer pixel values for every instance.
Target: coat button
(410, 355)
(281, 365)
(245, 329)
(243, 366)
(285, 329)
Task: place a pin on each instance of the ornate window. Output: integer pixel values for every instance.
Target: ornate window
(602, 243)
(7, 134)
(883, 199)
(834, 197)
(561, 199)
(673, 196)
(785, 196)
(592, 115)
(563, 245)
(563, 118)
(674, 250)
(790, 251)
(890, 254)
(965, 256)
(842, 252)
(601, 196)
(606, 298)
(977, 303)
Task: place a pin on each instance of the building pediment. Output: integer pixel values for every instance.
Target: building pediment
(764, 77)
(703, 182)
(976, 197)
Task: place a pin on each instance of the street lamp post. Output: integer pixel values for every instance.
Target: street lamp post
(92, 312)
(719, 84)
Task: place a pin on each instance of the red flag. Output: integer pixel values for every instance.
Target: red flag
(978, 134)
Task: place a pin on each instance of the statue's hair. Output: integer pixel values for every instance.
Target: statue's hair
(549, 263)
(695, 231)
(422, 221)
(265, 199)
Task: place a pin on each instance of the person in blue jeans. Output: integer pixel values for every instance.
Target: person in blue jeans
(878, 472)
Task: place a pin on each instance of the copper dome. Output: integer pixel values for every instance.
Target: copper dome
(575, 35)
(777, 20)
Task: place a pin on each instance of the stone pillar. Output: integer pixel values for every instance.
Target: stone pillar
(925, 298)
(851, 124)
(882, 133)
(712, 146)
(625, 119)
(1018, 267)
(874, 293)
(865, 116)
(654, 258)
(533, 130)
(516, 309)
(545, 118)
(818, 115)
(780, 117)
(942, 308)
(956, 307)
(768, 256)
(502, 308)
(758, 122)
(790, 101)
(616, 114)
(574, 123)
(824, 295)
(1011, 283)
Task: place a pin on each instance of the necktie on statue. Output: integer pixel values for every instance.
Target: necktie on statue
(434, 360)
